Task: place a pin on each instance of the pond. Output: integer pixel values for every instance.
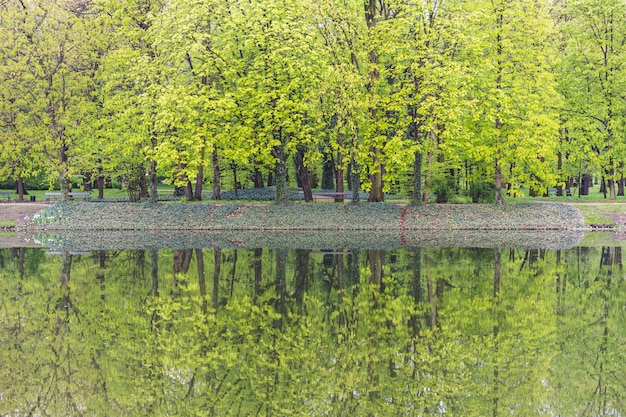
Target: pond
(227, 331)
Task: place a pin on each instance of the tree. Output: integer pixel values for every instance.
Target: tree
(46, 67)
(273, 72)
(513, 124)
(592, 80)
(132, 84)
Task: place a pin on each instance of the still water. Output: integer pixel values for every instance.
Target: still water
(272, 332)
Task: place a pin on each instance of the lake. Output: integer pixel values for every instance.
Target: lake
(233, 330)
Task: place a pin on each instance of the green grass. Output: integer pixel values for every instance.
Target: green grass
(594, 197)
(109, 193)
(600, 214)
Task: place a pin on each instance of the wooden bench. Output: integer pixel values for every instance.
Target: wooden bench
(7, 193)
(84, 194)
(333, 194)
(552, 191)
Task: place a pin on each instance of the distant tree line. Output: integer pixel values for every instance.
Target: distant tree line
(420, 97)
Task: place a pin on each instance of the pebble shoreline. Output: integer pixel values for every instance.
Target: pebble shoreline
(298, 216)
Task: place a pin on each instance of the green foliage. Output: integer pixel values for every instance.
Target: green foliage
(443, 189)
(482, 191)
(499, 88)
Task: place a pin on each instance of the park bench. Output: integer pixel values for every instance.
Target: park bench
(552, 191)
(7, 193)
(333, 194)
(84, 194)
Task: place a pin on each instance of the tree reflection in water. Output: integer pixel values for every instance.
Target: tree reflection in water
(419, 331)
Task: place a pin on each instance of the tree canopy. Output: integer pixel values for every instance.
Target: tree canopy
(415, 97)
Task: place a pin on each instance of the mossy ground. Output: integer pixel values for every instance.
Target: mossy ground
(101, 225)
(364, 216)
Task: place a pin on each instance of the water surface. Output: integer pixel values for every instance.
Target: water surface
(312, 331)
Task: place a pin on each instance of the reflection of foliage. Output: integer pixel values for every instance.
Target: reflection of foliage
(460, 332)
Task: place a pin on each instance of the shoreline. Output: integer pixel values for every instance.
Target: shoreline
(201, 216)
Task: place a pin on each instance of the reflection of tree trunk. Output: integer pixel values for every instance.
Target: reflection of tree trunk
(433, 303)
(281, 281)
(217, 260)
(182, 261)
(496, 328)
(606, 269)
(376, 267)
(302, 273)
(233, 275)
(66, 267)
(201, 280)
(139, 266)
(20, 261)
(258, 254)
(355, 268)
(154, 273)
(340, 288)
(418, 297)
(560, 285)
(101, 255)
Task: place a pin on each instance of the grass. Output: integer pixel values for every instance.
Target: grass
(594, 197)
(600, 214)
(109, 193)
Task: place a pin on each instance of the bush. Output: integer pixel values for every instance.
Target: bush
(482, 192)
(443, 189)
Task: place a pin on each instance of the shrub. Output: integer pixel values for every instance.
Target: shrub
(482, 191)
(443, 190)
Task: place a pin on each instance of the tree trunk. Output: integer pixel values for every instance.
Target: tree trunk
(258, 178)
(100, 181)
(154, 182)
(63, 173)
(328, 171)
(372, 16)
(217, 176)
(235, 182)
(559, 167)
(499, 198)
(376, 178)
(355, 180)
(87, 180)
(197, 193)
(339, 188)
(20, 189)
(189, 191)
(302, 173)
(429, 175)
(416, 198)
(280, 171)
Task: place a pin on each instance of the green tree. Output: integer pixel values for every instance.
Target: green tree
(513, 125)
(274, 71)
(592, 80)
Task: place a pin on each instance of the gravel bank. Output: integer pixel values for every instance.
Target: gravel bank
(348, 217)
(94, 226)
